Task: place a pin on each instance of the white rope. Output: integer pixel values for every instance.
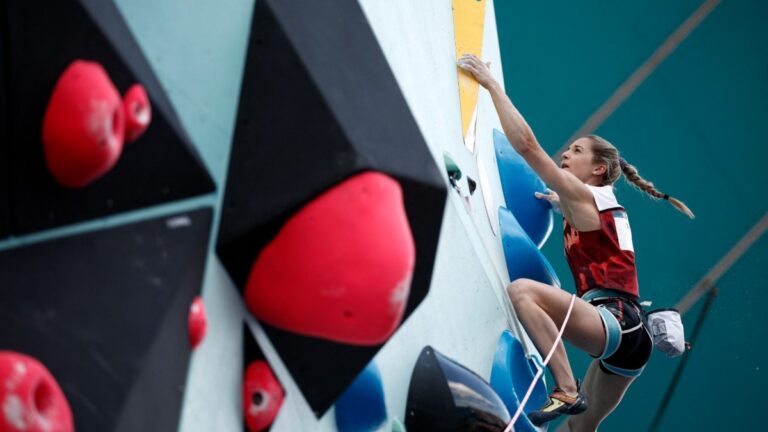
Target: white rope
(541, 370)
(510, 314)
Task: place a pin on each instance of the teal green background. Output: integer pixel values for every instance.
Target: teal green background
(696, 128)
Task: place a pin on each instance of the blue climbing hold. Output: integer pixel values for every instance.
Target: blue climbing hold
(519, 182)
(524, 259)
(511, 375)
(362, 408)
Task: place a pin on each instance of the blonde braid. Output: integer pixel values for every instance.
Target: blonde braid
(631, 174)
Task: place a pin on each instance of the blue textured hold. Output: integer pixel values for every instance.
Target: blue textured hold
(524, 259)
(361, 408)
(519, 182)
(511, 375)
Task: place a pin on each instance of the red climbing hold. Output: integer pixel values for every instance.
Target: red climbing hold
(262, 396)
(83, 125)
(30, 398)
(341, 267)
(197, 322)
(138, 112)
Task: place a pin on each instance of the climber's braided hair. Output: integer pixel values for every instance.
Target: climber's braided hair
(605, 153)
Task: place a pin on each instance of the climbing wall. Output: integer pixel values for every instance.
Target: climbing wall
(307, 170)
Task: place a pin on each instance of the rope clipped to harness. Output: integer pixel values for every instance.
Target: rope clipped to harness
(541, 370)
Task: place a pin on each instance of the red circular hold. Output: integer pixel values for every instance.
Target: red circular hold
(30, 398)
(197, 322)
(83, 127)
(262, 396)
(138, 112)
(341, 267)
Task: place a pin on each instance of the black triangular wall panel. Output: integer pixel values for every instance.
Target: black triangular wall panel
(106, 312)
(43, 39)
(318, 104)
(251, 349)
(5, 227)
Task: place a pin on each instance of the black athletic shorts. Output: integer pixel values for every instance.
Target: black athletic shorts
(628, 344)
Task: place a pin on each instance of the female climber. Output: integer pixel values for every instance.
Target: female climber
(606, 319)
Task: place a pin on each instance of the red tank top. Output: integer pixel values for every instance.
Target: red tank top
(604, 258)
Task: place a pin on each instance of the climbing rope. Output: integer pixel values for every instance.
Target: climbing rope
(541, 370)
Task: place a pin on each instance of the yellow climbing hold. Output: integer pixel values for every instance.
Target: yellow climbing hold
(468, 21)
